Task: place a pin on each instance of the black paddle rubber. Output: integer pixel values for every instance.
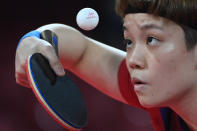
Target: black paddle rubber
(59, 96)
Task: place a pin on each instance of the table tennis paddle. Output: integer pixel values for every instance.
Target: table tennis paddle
(59, 96)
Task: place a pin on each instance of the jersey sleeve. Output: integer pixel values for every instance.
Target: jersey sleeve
(126, 86)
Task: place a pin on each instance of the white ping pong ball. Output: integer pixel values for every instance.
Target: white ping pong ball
(87, 19)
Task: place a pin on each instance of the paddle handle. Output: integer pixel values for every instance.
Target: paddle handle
(52, 38)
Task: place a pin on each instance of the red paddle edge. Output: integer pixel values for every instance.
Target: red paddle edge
(42, 102)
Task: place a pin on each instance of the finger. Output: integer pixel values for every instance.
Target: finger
(23, 82)
(21, 76)
(49, 52)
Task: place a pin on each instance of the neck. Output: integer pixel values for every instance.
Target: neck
(186, 108)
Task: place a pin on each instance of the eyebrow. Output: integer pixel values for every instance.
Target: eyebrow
(146, 27)
(150, 26)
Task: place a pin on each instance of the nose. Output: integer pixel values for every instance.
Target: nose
(136, 58)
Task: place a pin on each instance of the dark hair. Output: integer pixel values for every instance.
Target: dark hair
(183, 12)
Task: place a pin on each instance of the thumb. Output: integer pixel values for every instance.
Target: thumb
(58, 68)
(53, 59)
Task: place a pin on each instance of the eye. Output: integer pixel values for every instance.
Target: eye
(152, 41)
(128, 43)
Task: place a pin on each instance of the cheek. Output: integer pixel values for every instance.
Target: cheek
(167, 64)
(165, 74)
(168, 76)
(162, 68)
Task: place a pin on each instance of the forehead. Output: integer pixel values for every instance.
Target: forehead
(140, 19)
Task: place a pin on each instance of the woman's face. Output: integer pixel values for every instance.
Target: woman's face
(157, 60)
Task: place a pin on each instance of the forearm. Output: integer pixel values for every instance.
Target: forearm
(71, 44)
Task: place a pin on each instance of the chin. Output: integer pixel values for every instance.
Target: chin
(149, 103)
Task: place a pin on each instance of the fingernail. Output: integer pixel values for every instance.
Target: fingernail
(60, 71)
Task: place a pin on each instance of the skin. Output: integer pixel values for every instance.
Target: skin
(157, 55)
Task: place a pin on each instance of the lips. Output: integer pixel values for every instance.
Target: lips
(139, 85)
(137, 81)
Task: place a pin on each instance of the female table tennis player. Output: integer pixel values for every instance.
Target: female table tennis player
(157, 72)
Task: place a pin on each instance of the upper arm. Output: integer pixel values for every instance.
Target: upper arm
(99, 66)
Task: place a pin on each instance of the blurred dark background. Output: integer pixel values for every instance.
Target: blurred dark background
(19, 109)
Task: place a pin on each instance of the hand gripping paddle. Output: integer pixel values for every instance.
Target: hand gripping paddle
(59, 96)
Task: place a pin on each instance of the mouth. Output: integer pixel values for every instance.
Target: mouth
(137, 81)
(139, 85)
